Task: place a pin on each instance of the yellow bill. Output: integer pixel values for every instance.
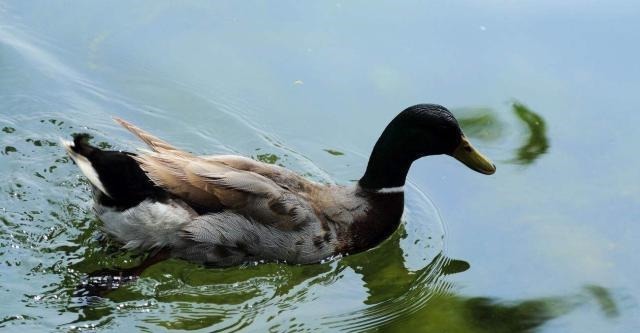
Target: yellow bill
(472, 158)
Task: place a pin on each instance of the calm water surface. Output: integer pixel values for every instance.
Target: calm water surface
(549, 91)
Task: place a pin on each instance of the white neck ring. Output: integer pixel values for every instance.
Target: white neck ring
(397, 189)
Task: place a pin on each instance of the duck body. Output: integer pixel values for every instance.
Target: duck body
(225, 210)
(298, 221)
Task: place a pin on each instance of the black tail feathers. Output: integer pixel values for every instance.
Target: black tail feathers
(117, 175)
(81, 144)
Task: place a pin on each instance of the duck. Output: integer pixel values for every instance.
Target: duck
(226, 210)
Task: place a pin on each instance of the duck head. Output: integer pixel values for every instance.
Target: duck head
(418, 131)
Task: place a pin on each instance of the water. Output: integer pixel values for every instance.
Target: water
(549, 91)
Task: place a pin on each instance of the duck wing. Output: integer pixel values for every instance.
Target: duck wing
(283, 177)
(262, 192)
(280, 175)
(217, 186)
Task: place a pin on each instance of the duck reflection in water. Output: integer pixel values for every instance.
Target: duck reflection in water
(398, 298)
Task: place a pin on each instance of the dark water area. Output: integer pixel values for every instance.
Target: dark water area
(549, 91)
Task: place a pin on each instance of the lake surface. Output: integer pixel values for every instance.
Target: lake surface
(550, 91)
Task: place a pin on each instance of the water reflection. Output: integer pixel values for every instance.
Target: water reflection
(441, 309)
(397, 297)
(480, 123)
(453, 313)
(447, 312)
(384, 267)
(485, 124)
(538, 143)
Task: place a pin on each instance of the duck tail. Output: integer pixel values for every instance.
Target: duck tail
(81, 152)
(115, 174)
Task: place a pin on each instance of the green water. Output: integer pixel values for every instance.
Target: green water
(548, 90)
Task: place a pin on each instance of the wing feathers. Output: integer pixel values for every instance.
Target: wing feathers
(237, 183)
(152, 141)
(168, 172)
(233, 179)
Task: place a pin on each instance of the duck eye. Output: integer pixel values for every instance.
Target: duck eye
(468, 148)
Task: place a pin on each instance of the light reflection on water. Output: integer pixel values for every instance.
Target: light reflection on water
(49, 239)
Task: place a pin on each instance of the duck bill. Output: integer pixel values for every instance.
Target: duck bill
(472, 158)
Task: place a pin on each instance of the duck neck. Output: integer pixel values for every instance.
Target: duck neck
(388, 165)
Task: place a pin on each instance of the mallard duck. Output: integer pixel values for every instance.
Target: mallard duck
(226, 210)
